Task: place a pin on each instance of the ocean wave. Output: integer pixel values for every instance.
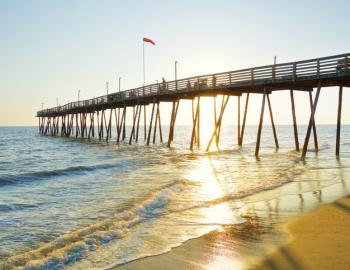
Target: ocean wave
(16, 207)
(32, 176)
(286, 176)
(75, 245)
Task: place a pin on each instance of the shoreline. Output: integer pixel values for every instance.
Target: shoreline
(317, 240)
(260, 243)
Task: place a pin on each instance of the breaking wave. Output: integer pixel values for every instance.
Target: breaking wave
(33, 176)
(75, 245)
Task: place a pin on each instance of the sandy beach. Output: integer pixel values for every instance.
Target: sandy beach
(319, 240)
(315, 240)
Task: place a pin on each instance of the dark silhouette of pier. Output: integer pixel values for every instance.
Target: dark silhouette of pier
(73, 118)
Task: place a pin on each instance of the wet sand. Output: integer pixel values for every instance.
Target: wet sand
(316, 240)
(220, 249)
(319, 240)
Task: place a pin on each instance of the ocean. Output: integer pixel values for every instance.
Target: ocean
(79, 204)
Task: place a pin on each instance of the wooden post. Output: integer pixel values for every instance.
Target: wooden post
(215, 118)
(116, 115)
(272, 122)
(82, 133)
(109, 126)
(340, 100)
(295, 127)
(101, 126)
(93, 124)
(144, 121)
(198, 122)
(98, 124)
(90, 129)
(244, 119)
(172, 121)
(106, 126)
(119, 129)
(85, 123)
(124, 130)
(76, 126)
(138, 123)
(133, 124)
(110, 123)
(257, 148)
(311, 122)
(150, 124)
(218, 131)
(71, 125)
(155, 125)
(160, 124)
(68, 125)
(194, 127)
(133, 116)
(218, 124)
(239, 120)
(193, 119)
(176, 110)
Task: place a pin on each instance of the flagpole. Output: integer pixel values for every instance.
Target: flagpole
(144, 64)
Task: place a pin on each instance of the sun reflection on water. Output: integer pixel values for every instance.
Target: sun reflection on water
(210, 193)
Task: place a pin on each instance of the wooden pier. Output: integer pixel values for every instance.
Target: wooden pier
(78, 118)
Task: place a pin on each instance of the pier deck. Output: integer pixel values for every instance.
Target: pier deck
(294, 76)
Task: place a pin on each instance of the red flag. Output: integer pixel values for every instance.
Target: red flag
(148, 40)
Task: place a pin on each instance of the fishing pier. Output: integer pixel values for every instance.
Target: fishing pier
(78, 118)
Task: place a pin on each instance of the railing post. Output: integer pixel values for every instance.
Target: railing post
(346, 64)
(230, 78)
(252, 75)
(273, 73)
(318, 68)
(294, 72)
(198, 83)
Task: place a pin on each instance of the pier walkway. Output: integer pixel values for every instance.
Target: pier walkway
(294, 76)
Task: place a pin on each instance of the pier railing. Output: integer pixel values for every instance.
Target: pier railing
(319, 68)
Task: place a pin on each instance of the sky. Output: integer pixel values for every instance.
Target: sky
(50, 49)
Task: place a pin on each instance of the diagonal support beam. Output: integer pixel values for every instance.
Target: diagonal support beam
(257, 147)
(295, 127)
(218, 124)
(311, 123)
(272, 121)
